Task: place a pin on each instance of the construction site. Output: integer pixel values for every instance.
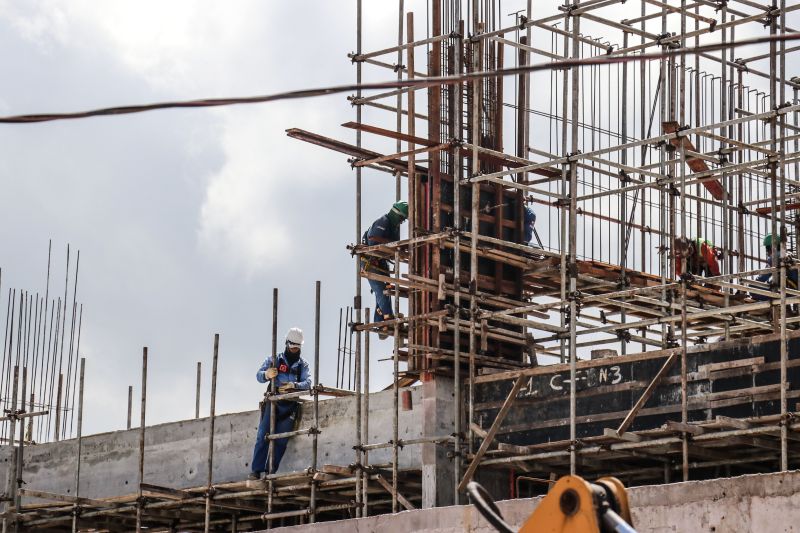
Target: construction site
(643, 325)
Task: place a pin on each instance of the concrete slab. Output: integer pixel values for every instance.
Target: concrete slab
(753, 503)
(176, 453)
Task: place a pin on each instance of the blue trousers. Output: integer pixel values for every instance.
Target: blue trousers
(284, 422)
(382, 301)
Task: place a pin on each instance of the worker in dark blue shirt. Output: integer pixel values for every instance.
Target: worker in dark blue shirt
(289, 372)
(791, 273)
(385, 229)
(530, 220)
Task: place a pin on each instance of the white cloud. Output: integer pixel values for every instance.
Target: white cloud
(242, 220)
(42, 22)
(240, 217)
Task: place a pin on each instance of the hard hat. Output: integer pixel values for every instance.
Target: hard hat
(401, 208)
(768, 241)
(294, 336)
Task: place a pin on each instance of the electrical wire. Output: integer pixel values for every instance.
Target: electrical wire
(393, 84)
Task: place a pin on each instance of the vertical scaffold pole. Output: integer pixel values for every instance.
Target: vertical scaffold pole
(130, 405)
(365, 417)
(458, 172)
(357, 299)
(197, 391)
(563, 233)
(315, 391)
(211, 420)
(783, 242)
(412, 196)
(684, 235)
(21, 447)
(271, 406)
(140, 499)
(573, 241)
(79, 448)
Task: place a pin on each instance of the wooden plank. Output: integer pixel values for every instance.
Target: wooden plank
(479, 431)
(513, 448)
(714, 367)
(614, 434)
(465, 152)
(750, 391)
(694, 403)
(683, 428)
(492, 432)
(336, 469)
(696, 164)
(626, 423)
(400, 498)
(767, 210)
(631, 358)
(64, 498)
(733, 422)
(564, 367)
(173, 494)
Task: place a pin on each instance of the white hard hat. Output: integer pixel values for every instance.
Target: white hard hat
(295, 336)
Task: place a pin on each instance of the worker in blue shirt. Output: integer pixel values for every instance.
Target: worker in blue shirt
(288, 373)
(385, 229)
(791, 273)
(530, 220)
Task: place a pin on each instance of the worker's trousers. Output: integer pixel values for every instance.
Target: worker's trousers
(284, 422)
(383, 302)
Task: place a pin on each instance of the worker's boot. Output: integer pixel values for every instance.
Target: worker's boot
(383, 332)
(254, 476)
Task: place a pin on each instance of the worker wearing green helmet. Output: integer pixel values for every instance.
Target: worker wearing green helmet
(385, 229)
(791, 273)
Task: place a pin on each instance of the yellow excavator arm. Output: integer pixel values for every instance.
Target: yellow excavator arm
(573, 505)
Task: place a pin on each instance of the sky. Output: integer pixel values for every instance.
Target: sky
(185, 219)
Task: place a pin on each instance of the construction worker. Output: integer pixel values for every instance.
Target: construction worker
(791, 273)
(289, 372)
(385, 229)
(701, 257)
(529, 221)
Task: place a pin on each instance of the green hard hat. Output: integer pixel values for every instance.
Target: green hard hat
(401, 208)
(768, 241)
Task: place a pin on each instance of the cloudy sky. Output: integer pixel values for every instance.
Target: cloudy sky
(185, 219)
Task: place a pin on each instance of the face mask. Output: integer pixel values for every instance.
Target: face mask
(292, 357)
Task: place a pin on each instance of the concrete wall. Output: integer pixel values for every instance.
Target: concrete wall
(176, 453)
(754, 503)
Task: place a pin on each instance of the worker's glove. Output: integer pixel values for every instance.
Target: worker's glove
(286, 387)
(270, 373)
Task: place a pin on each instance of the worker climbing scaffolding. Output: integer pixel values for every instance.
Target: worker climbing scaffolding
(288, 372)
(791, 273)
(529, 222)
(384, 230)
(700, 255)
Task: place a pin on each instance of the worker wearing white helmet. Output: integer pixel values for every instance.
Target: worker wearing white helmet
(287, 373)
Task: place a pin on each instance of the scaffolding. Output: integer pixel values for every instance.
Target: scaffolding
(627, 147)
(630, 129)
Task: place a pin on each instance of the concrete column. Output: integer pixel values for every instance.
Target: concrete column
(437, 420)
